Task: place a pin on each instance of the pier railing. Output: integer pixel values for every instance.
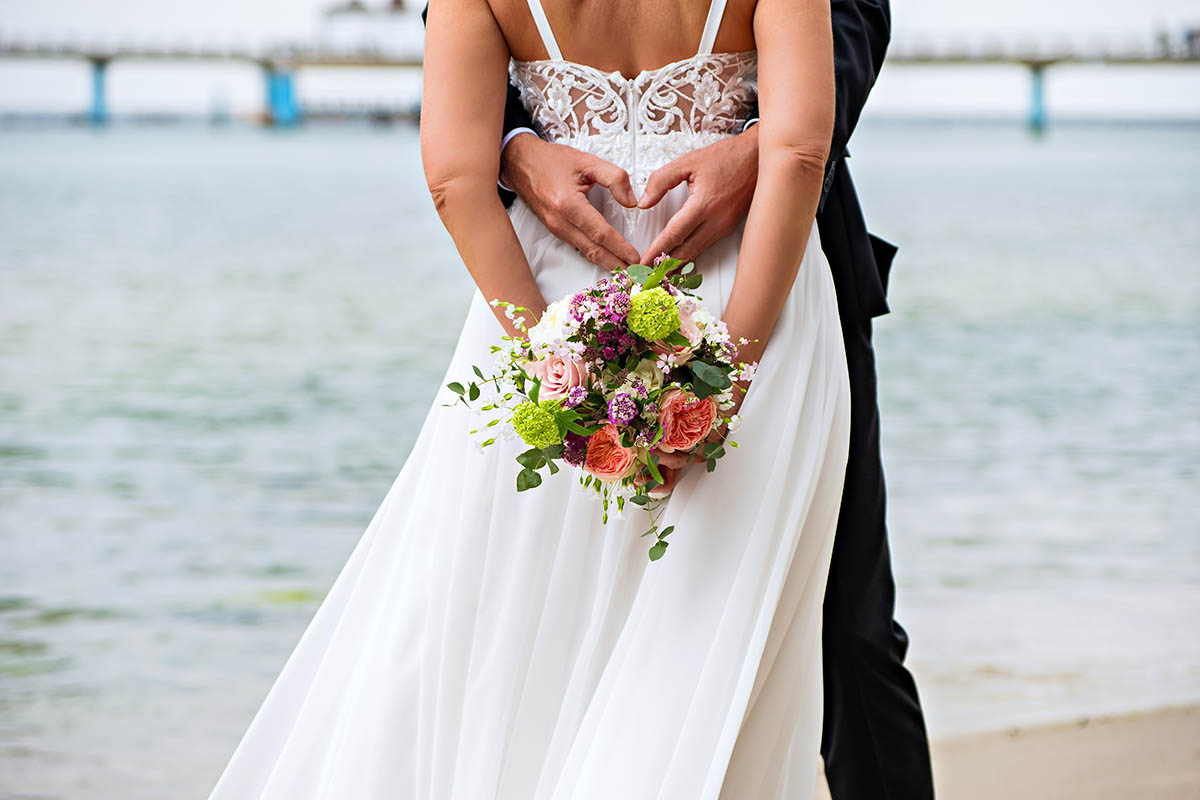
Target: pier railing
(280, 62)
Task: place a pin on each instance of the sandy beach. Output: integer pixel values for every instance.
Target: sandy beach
(1145, 756)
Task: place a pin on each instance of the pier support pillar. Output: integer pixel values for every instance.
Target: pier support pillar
(98, 114)
(282, 108)
(1037, 99)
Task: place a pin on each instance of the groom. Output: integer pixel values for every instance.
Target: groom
(874, 742)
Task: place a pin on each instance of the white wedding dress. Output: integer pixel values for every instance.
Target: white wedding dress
(482, 644)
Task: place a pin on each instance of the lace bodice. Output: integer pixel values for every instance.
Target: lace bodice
(638, 123)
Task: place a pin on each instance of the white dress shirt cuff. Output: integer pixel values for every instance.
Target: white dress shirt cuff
(508, 137)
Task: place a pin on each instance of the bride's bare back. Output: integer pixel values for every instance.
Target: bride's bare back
(627, 36)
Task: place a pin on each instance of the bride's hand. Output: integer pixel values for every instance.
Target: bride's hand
(721, 179)
(553, 180)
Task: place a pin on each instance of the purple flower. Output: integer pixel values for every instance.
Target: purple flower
(575, 396)
(661, 257)
(617, 306)
(609, 352)
(574, 448)
(639, 388)
(621, 409)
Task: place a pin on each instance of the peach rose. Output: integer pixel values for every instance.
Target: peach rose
(607, 458)
(685, 420)
(690, 330)
(559, 375)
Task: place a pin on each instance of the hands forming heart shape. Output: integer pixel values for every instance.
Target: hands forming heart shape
(554, 180)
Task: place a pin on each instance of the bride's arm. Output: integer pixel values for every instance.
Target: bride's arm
(796, 107)
(462, 113)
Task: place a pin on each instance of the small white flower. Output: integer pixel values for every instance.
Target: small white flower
(735, 422)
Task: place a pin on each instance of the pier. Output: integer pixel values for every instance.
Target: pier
(279, 64)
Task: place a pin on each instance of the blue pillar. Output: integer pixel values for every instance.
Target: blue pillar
(99, 111)
(282, 108)
(1037, 105)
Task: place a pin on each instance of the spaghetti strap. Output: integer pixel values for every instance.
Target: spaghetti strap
(543, 26)
(716, 11)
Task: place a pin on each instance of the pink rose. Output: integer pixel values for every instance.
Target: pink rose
(685, 420)
(690, 330)
(607, 458)
(559, 375)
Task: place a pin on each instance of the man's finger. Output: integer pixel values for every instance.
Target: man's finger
(703, 237)
(663, 180)
(689, 216)
(615, 179)
(593, 252)
(584, 216)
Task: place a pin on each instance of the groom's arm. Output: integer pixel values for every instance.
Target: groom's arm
(862, 30)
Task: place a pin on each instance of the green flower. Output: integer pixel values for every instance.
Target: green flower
(534, 422)
(653, 314)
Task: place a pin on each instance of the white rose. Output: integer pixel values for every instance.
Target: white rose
(646, 370)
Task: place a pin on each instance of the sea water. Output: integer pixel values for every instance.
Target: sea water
(216, 348)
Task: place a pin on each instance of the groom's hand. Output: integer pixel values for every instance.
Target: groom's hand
(553, 180)
(721, 179)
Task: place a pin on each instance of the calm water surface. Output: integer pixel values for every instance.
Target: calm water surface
(216, 348)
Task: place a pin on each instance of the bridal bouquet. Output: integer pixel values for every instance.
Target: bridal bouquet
(610, 380)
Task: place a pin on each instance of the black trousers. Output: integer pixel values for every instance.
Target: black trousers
(874, 740)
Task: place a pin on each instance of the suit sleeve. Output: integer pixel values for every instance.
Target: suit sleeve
(861, 32)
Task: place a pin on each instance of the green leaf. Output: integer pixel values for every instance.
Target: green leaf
(527, 479)
(692, 281)
(701, 390)
(713, 376)
(711, 464)
(533, 393)
(688, 267)
(657, 551)
(655, 277)
(531, 459)
(639, 272)
(553, 451)
(665, 532)
(478, 371)
(575, 427)
(678, 339)
(473, 393)
(652, 465)
(640, 499)
(553, 467)
(489, 441)
(456, 387)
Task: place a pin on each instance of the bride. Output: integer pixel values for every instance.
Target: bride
(485, 643)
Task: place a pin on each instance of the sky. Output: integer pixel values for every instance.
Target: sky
(1071, 91)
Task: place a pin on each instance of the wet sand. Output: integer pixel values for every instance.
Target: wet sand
(1129, 757)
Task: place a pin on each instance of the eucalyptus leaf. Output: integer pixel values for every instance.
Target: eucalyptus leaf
(531, 459)
(658, 550)
(456, 387)
(638, 272)
(713, 376)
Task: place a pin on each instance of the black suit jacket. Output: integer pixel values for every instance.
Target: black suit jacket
(860, 262)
